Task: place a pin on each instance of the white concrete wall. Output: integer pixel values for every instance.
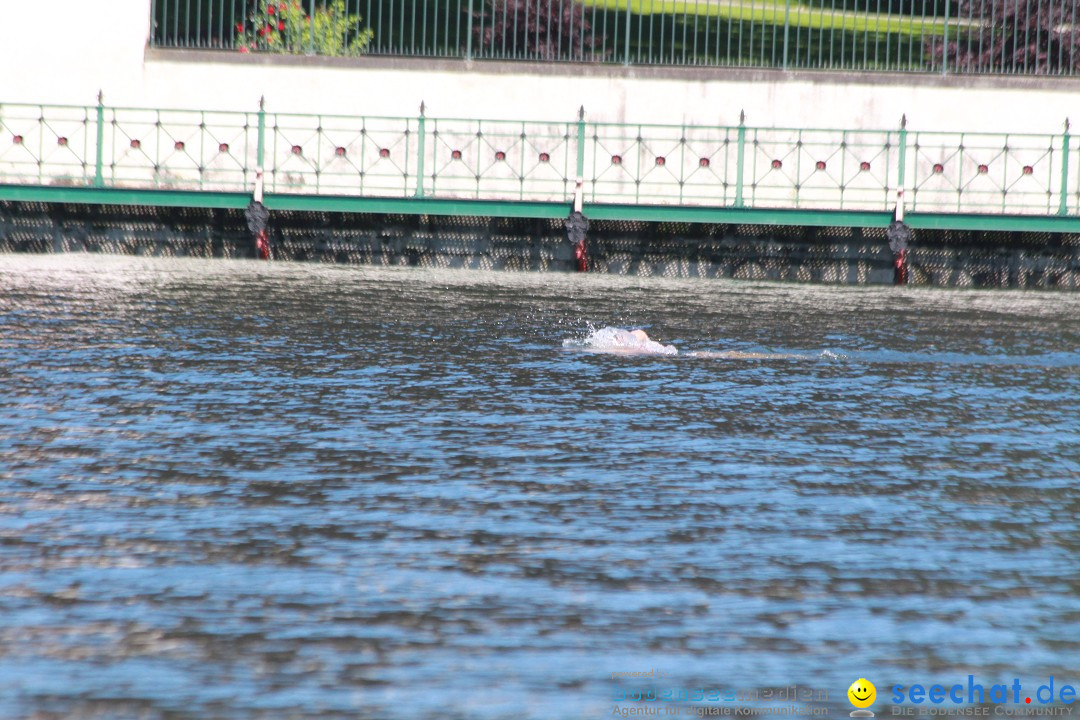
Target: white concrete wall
(61, 52)
(64, 51)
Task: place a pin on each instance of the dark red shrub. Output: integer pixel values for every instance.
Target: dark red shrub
(538, 29)
(1028, 36)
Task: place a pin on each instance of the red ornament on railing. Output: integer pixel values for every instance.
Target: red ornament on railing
(223, 148)
(297, 150)
(776, 164)
(938, 168)
(339, 151)
(864, 166)
(544, 157)
(384, 153)
(820, 164)
(17, 140)
(135, 144)
(178, 145)
(983, 169)
(661, 161)
(500, 155)
(61, 141)
(455, 154)
(616, 159)
(703, 162)
(1028, 169)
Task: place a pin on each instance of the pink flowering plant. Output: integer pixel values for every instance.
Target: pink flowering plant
(284, 27)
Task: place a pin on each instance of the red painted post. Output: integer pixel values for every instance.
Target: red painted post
(900, 268)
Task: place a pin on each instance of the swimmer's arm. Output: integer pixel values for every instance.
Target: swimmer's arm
(739, 355)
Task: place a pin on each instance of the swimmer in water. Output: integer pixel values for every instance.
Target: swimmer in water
(637, 341)
(622, 341)
(642, 338)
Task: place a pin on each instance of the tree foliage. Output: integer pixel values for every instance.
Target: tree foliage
(1028, 36)
(540, 29)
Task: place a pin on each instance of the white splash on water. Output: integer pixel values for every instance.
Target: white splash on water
(617, 340)
(635, 342)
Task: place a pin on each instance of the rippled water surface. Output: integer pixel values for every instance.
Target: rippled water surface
(242, 490)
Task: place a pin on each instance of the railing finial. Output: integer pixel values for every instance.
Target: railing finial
(101, 99)
(581, 113)
(262, 102)
(1067, 126)
(742, 117)
(422, 106)
(903, 121)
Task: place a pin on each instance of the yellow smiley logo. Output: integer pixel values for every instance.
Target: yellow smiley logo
(862, 693)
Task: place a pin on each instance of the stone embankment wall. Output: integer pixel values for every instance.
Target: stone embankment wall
(750, 252)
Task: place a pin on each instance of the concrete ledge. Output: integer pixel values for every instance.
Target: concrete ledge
(556, 211)
(597, 211)
(686, 73)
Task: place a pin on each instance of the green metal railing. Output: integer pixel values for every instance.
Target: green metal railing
(425, 157)
(947, 36)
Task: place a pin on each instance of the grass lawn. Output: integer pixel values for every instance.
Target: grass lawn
(774, 12)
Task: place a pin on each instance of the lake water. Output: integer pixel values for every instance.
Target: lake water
(233, 489)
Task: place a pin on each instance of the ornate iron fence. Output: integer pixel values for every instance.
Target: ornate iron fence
(980, 36)
(540, 161)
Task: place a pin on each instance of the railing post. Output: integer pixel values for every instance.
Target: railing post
(1063, 204)
(581, 144)
(787, 27)
(99, 165)
(256, 214)
(901, 169)
(468, 33)
(260, 150)
(420, 150)
(576, 223)
(626, 43)
(311, 28)
(740, 156)
(945, 45)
